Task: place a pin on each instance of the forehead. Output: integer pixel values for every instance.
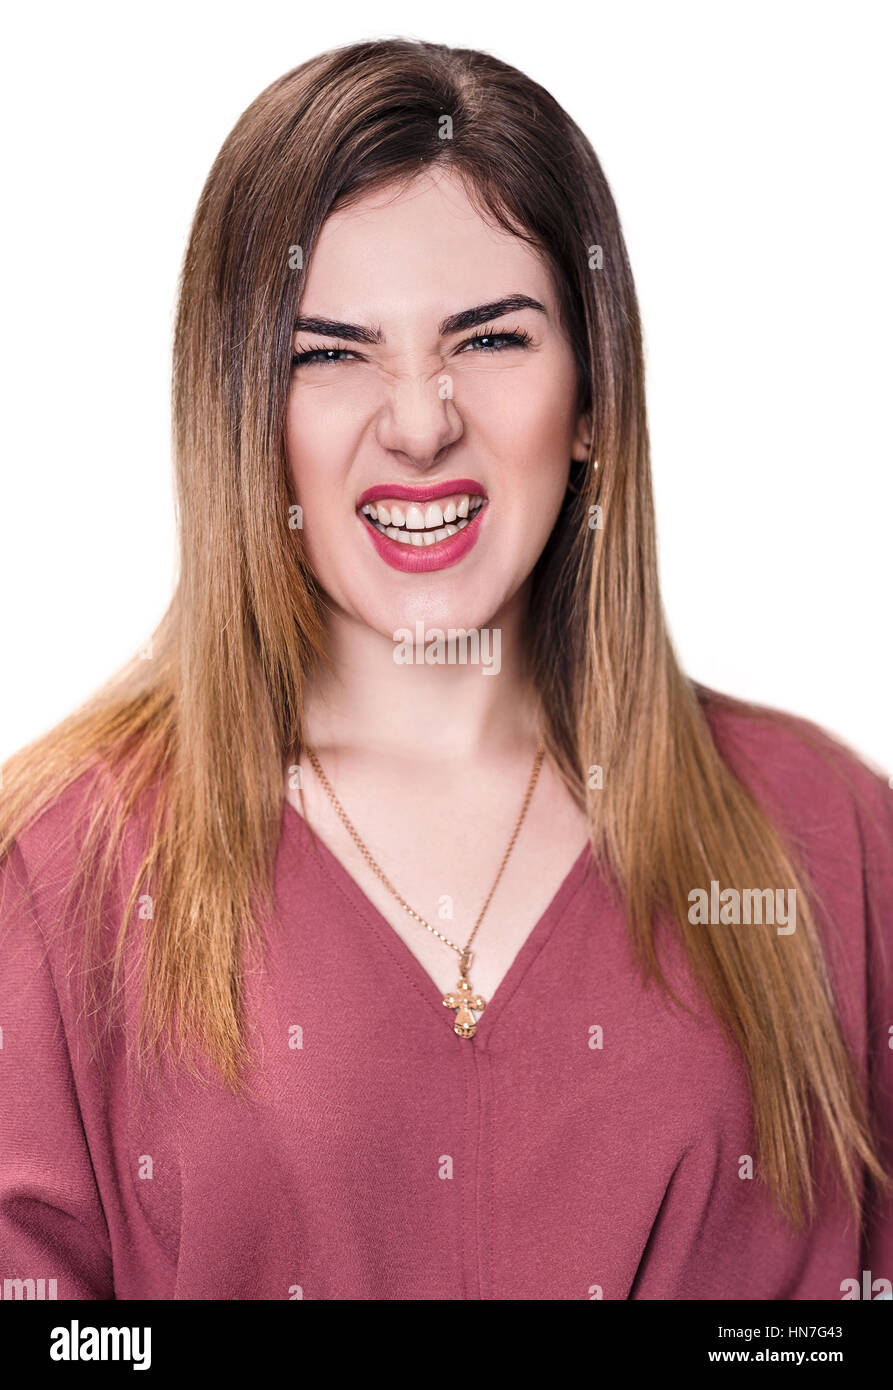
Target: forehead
(422, 250)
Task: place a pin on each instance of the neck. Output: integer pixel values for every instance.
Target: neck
(432, 711)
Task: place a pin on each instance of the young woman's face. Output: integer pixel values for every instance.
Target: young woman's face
(461, 449)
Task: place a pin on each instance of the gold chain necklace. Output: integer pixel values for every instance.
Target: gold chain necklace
(464, 1001)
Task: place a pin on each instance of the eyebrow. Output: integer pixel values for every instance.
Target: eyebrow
(455, 323)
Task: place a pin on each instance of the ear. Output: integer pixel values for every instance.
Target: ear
(582, 438)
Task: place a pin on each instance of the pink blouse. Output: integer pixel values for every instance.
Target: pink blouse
(590, 1141)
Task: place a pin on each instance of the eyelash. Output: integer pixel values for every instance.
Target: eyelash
(516, 337)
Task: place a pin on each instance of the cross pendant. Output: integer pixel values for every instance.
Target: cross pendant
(463, 1001)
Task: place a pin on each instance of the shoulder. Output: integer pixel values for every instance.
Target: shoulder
(59, 855)
(835, 814)
(60, 831)
(811, 782)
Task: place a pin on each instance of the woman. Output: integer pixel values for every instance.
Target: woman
(417, 928)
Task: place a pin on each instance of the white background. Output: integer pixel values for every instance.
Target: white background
(747, 147)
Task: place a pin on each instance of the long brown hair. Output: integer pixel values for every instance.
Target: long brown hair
(207, 723)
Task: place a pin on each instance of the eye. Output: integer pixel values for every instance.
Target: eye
(488, 341)
(321, 355)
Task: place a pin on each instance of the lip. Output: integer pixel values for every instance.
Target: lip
(414, 559)
(402, 492)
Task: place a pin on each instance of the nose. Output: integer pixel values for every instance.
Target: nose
(419, 419)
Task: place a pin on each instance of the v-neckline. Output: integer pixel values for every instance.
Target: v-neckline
(406, 959)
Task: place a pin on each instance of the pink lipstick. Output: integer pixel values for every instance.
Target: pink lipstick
(424, 543)
(405, 493)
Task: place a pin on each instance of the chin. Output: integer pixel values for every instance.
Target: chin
(448, 611)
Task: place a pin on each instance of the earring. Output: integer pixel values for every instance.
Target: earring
(572, 487)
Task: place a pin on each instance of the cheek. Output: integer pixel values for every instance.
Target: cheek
(539, 493)
(306, 447)
(312, 450)
(318, 438)
(543, 417)
(537, 456)
(326, 416)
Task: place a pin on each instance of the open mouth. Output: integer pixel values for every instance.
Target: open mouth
(421, 523)
(419, 529)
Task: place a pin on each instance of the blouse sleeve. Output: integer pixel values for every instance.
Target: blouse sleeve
(52, 1225)
(876, 819)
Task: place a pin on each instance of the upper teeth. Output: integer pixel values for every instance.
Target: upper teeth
(423, 525)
